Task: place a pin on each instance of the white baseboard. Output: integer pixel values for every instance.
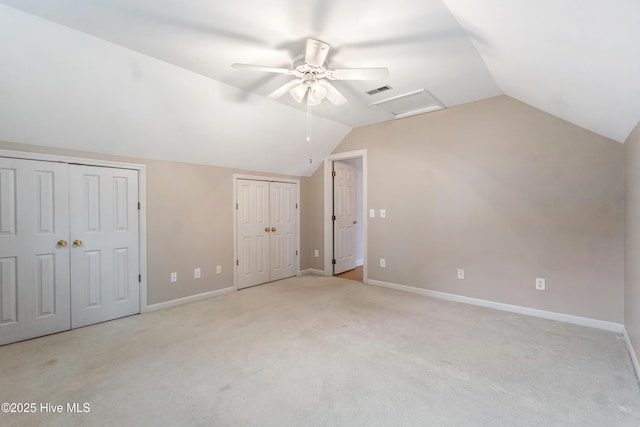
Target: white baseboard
(632, 354)
(567, 318)
(311, 271)
(359, 262)
(191, 298)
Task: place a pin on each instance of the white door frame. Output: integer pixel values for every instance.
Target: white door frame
(238, 176)
(142, 196)
(328, 196)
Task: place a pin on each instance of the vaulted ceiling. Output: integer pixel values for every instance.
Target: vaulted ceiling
(152, 78)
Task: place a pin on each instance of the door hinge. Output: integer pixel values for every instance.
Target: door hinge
(237, 262)
(138, 205)
(236, 206)
(296, 206)
(333, 218)
(139, 277)
(296, 252)
(333, 261)
(333, 173)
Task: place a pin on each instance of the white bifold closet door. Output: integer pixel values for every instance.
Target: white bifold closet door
(68, 246)
(266, 231)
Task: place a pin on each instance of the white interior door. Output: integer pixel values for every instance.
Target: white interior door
(344, 209)
(253, 232)
(34, 256)
(282, 241)
(104, 244)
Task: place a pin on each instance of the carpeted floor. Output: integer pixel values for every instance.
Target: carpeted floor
(322, 351)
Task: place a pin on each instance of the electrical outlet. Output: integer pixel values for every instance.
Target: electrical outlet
(197, 273)
(461, 273)
(316, 253)
(218, 269)
(383, 263)
(372, 213)
(174, 277)
(540, 284)
(383, 213)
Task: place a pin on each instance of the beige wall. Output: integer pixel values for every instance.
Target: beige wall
(632, 238)
(311, 217)
(189, 223)
(496, 187)
(508, 193)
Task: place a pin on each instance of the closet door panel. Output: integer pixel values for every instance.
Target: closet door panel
(253, 231)
(104, 244)
(34, 252)
(283, 242)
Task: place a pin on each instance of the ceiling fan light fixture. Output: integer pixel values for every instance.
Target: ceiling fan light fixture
(318, 91)
(298, 92)
(312, 99)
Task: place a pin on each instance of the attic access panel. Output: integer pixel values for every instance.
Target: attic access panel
(410, 104)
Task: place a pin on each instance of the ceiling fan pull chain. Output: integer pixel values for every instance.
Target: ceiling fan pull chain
(309, 131)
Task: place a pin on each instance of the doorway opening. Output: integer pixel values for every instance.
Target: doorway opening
(346, 224)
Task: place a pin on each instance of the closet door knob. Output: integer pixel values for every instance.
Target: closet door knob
(62, 243)
(266, 229)
(77, 243)
(273, 229)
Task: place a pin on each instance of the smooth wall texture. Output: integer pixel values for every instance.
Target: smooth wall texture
(505, 191)
(311, 218)
(632, 238)
(189, 223)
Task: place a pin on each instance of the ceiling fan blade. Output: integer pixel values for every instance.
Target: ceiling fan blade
(261, 68)
(316, 52)
(284, 89)
(358, 73)
(333, 96)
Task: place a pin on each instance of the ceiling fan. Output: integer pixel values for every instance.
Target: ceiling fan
(312, 76)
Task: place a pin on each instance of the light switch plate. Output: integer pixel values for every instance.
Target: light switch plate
(372, 213)
(383, 213)
(197, 273)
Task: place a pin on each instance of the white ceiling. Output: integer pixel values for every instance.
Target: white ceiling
(152, 78)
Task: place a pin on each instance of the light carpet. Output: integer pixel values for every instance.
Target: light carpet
(322, 351)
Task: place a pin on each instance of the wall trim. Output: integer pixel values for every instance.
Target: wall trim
(560, 317)
(191, 298)
(632, 354)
